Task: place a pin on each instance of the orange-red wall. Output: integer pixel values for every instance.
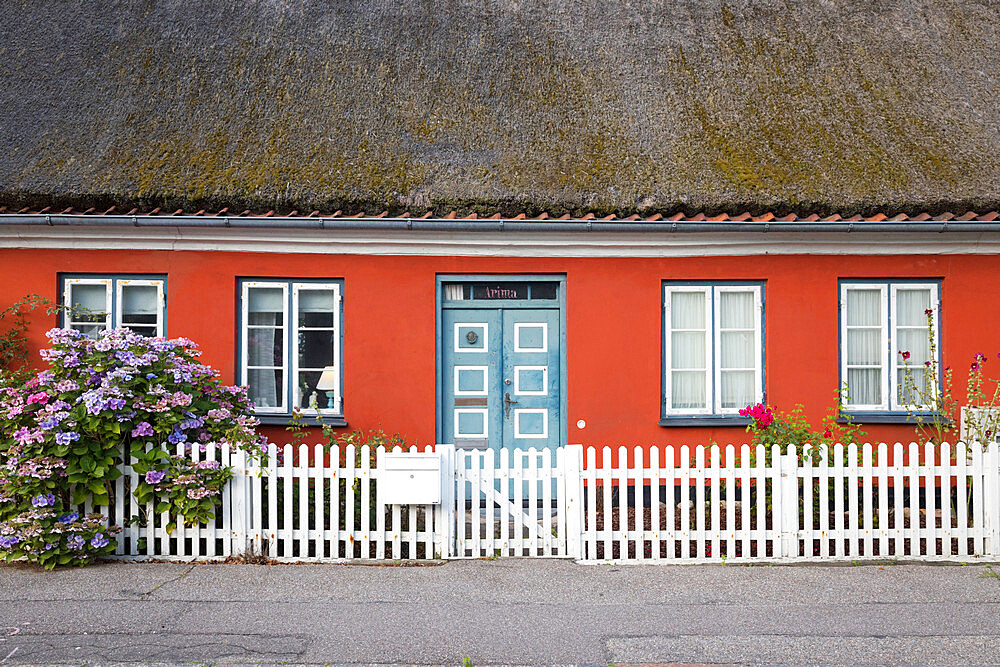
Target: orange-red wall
(613, 325)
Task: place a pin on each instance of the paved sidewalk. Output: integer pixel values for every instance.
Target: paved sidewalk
(505, 611)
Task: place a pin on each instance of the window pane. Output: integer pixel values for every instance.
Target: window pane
(148, 332)
(919, 391)
(307, 387)
(687, 389)
(910, 307)
(91, 298)
(265, 387)
(91, 330)
(864, 386)
(139, 300)
(864, 307)
(544, 290)
(317, 308)
(265, 347)
(316, 348)
(916, 343)
(736, 310)
(266, 299)
(737, 389)
(863, 346)
(687, 310)
(737, 349)
(687, 350)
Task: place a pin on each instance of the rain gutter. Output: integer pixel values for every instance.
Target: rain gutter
(495, 225)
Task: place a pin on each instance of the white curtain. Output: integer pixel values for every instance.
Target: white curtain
(454, 292)
(265, 309)
(912, 336)
(688, 352)
(737, 355)
(864, 353)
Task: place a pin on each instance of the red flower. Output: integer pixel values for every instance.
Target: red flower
(906, 355)
(827, 433)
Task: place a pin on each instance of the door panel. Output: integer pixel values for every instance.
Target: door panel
(531, 378)
(470, 415)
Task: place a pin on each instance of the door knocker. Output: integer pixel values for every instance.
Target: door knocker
(472, 337)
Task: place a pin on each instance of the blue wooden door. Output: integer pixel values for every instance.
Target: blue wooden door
(501, 378)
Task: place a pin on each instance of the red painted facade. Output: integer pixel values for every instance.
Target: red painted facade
(613, 325)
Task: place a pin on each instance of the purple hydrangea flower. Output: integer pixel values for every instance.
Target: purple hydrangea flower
(155, 476)
(43, 500)
(176, 437)
(141, 429)
(7, 541)
(69, 518)
(75, 542)
(99, 541)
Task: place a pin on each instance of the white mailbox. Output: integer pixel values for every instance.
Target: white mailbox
(410, 479)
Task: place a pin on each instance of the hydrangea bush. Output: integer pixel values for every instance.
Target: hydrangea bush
(64, 432)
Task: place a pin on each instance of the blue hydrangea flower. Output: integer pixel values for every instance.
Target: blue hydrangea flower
(7, 541)
(69, 518)
(99, 541)
(43, 500)
(75, 543)
(66, 437)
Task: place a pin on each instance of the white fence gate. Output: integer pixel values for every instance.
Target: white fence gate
(719, 505)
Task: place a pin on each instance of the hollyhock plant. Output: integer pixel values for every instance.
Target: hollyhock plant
(937, 413)
(65, 432)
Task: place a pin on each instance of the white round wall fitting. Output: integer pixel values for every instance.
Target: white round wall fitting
(581, 424)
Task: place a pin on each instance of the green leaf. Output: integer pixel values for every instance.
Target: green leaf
(171, 527)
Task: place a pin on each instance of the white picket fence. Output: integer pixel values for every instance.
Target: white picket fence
(855, 503)
(643, 505)
(304, 504)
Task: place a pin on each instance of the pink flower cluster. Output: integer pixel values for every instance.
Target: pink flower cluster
(760, 413)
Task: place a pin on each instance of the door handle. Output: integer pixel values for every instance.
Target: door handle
(506, 404)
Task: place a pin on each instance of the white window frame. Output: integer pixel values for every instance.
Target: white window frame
(160, 300)
(296, 289)
(713, 338)
(889, 335)
(883, 289)
(244, 343)
(290, 291)
(113, 300)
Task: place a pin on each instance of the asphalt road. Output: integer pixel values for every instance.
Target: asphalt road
(504, 611)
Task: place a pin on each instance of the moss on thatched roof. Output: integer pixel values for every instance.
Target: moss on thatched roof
(817, 105)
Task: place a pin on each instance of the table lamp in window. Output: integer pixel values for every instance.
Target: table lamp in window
(328, 383)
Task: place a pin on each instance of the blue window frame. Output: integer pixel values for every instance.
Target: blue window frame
(879, 320)
(95, 302)
(290, 346)
(713, 350)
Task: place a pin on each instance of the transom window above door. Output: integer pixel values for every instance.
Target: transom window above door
(713, 349)
(501, 291)
(291, 346)
(97, 303)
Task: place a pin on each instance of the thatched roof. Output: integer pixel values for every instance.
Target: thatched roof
(808, 105)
